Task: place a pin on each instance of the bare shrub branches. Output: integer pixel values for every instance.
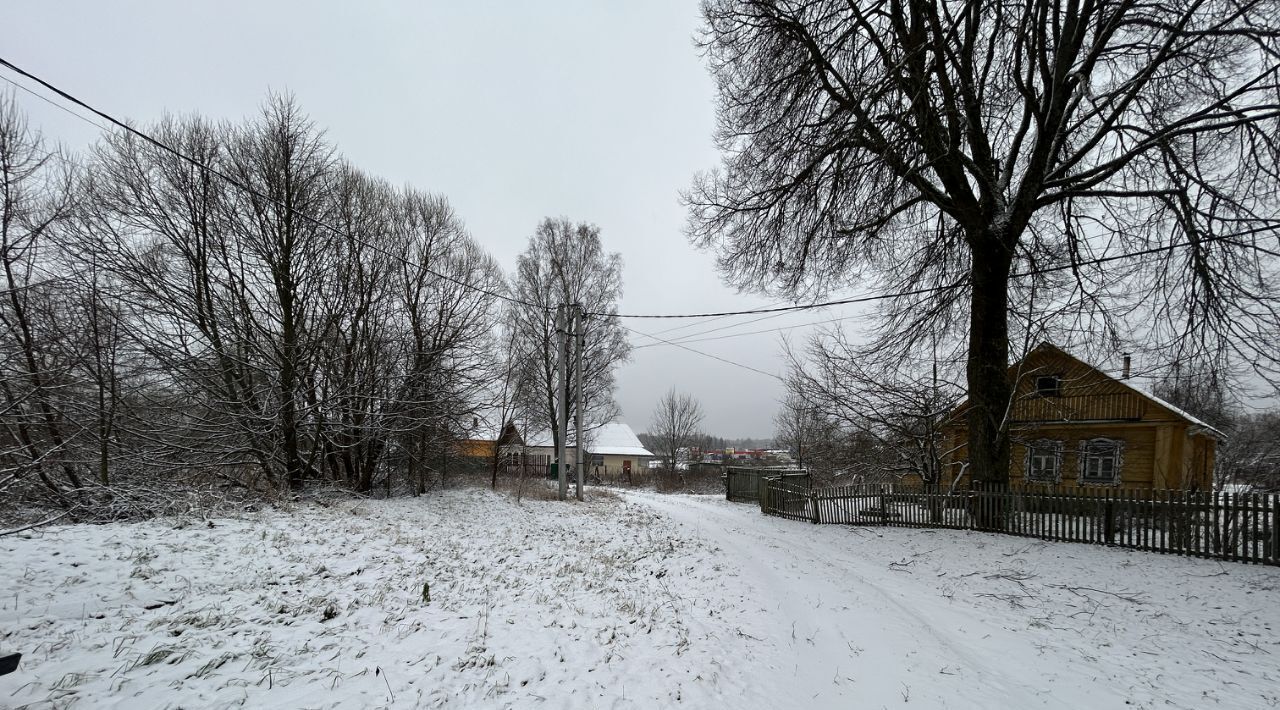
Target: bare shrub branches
(322, 326)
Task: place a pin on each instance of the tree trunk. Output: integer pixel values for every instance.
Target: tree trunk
(987, 368)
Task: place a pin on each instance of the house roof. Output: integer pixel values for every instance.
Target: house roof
(1143, 389)
(611, 438)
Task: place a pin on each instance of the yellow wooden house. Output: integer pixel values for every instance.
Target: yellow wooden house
(1072, 425)
(485, 445)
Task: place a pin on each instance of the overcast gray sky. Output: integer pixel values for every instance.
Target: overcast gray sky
(599, 111)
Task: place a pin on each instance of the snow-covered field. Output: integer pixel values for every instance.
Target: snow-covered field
(639, 602)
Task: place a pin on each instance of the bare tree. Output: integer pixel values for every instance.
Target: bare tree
(322, 325)
(447, 283)
(35, 370)
(813, 436)
(1251, 453)
(899, 409)
(1202, 395)
(565, 263)
(977, 159)
(675, 425)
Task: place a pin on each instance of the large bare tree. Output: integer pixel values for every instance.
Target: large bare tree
(322, 325)
(565, 263)
(977, 159)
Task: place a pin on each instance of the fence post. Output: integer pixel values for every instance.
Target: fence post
(813, 505)
(1108, 520)
(1274, 519)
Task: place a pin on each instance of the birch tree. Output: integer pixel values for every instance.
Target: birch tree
(566, 263)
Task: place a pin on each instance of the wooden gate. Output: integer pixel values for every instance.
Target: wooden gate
(743, 484)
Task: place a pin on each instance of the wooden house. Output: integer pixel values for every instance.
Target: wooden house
(612, 446)
(485, 444)
(1072, 425)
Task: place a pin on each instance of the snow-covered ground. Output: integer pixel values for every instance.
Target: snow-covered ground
(647, 601)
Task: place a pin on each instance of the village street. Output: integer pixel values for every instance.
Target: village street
(628, 600)
(880, 616)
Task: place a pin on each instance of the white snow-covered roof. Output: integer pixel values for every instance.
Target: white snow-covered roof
(613, 438)
(616, 438)
(1146, 389)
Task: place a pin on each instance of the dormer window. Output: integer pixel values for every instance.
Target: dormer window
(1049, 385)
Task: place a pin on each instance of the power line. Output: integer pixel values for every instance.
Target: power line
(244, 187)
(694, 337)
(1229, 238)
(55, 104)
(786, 309)
(699, 352)
(697, 336)
(709, 316)
(711, 320)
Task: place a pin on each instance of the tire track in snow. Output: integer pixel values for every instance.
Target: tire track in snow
(817, 582)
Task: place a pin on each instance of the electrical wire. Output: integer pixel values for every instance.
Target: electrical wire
(248, 188)
(699, 352)
(1229, 238)
(55, 104)
(694, 337)
(706, 316)
(710, 320)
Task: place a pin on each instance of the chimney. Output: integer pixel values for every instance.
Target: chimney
(1127, 361)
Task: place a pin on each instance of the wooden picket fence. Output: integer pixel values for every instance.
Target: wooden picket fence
(1241, 527)
(744, 484)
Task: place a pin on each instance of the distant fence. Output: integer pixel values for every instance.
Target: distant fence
(696, 479)
(1240, 527)
(744, 484)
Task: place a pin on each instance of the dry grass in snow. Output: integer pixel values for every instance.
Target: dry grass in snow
(323, 607)
(631, 601)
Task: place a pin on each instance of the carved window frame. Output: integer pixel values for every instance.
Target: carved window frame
(1102, 451)
(1043, 448)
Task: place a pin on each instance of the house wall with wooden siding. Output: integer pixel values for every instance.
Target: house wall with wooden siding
(611, 461)
(475, 448)
(1162, 449)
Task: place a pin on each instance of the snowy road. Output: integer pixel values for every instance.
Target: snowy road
(844, 630)
(887, 617)
(636, 602)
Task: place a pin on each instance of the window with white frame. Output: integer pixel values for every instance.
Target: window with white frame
(1101, 461)
(1044, 461)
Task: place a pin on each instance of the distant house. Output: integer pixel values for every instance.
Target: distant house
(486, 441)
(612, 446)
(1073, 425)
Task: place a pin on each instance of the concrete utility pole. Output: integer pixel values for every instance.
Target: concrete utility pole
(579, 325)
(562, 416)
